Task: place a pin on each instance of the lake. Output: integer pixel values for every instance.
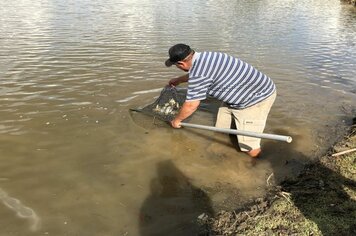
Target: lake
(75, 160)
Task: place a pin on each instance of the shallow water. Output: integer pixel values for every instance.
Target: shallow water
(74, 161)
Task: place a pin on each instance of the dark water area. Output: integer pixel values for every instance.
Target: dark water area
(75, 161)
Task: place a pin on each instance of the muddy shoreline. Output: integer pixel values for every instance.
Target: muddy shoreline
(324, 192)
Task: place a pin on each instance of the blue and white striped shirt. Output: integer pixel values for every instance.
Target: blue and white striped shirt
(228, 79)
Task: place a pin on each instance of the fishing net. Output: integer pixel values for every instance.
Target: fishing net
(166, 106)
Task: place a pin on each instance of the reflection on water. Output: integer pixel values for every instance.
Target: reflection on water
(20, 209)
(70, 71)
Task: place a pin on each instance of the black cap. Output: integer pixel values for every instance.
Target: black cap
(177, 53)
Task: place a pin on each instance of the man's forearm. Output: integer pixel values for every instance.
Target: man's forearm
(187, 109)
(184, 78)
(178, 80)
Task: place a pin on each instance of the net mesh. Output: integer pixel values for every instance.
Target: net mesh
(166, 106)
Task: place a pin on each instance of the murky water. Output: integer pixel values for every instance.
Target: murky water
(75, 162)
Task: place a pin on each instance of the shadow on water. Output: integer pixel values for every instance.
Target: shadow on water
(173, 205)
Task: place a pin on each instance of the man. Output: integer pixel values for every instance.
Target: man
(246, 93)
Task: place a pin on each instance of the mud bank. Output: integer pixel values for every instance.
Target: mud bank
(320, 201)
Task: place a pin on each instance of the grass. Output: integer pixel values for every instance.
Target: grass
(282, 217)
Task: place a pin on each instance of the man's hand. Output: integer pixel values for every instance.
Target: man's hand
(176, 123)
(187, 109)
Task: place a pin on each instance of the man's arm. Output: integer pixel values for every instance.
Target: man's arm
(178, 80)
(188, 108)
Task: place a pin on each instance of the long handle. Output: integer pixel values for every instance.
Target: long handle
(287, 139)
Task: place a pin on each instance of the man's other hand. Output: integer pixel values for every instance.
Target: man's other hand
(176, 124)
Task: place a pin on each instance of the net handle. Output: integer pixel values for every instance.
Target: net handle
(277, 137)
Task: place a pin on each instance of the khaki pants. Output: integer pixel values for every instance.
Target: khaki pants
(249, 119)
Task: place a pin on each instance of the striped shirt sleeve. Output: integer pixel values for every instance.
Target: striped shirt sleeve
(198, 88)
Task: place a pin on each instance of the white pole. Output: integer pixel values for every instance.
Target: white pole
(287, 139)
